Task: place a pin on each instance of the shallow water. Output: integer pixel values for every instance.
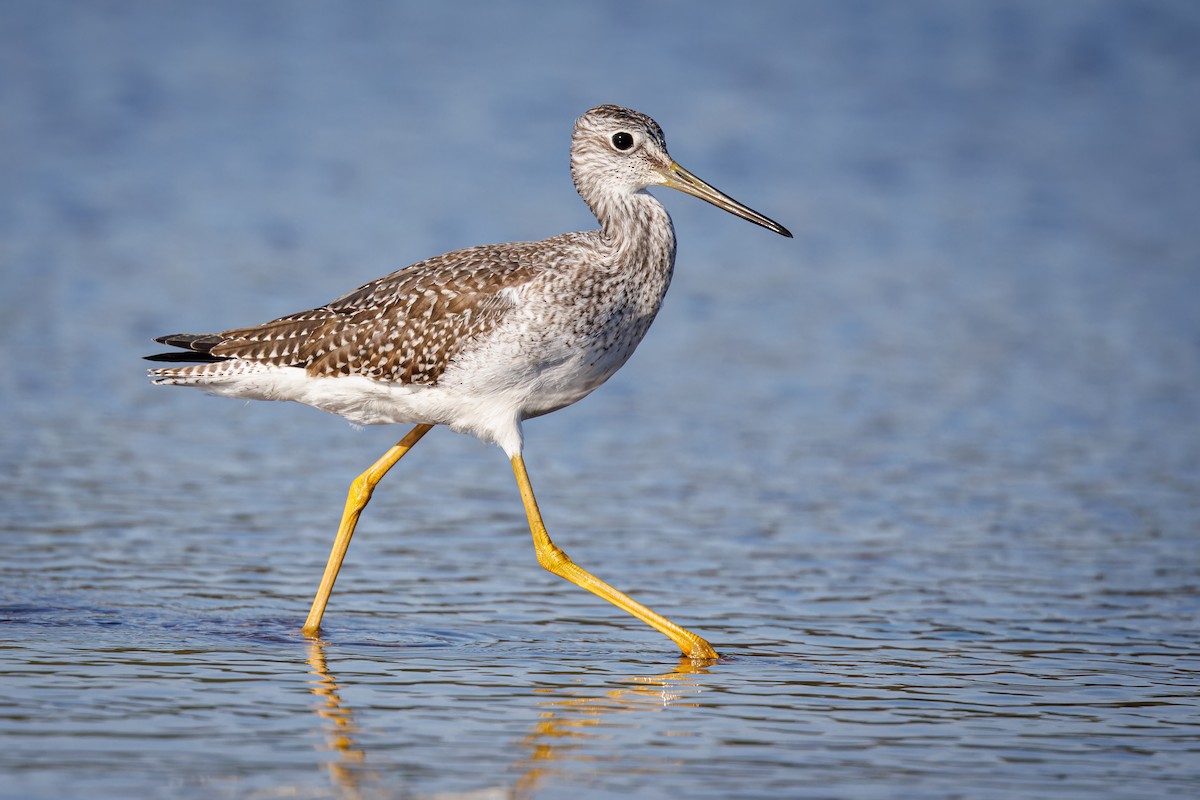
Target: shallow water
(928, 476)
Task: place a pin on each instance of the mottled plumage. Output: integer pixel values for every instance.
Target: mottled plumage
(483, 338)
(402, 328)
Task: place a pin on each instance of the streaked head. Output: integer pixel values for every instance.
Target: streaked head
(615, 149)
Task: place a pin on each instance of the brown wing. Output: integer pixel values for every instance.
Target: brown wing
(404, 327)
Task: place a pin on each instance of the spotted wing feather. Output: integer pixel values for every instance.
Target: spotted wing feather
(405, 327)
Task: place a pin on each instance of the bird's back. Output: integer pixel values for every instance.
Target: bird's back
(404, 328)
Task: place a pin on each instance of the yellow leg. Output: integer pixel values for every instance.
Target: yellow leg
(555, 560)
(356, 501)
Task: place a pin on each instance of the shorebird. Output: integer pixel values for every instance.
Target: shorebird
(481, 339)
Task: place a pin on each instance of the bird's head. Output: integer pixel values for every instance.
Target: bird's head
(618, 151)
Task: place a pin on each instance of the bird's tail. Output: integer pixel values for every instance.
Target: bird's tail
(195, 354)
(196, 348)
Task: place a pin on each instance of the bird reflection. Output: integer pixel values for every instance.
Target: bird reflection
(566, 720)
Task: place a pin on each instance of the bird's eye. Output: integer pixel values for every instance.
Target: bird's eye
(622, 140)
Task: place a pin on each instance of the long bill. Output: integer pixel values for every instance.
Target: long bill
(676, 177)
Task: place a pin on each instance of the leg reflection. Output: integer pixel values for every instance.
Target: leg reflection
(562, 732)
(570, 719)
(345, 769)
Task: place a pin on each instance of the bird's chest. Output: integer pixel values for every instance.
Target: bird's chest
(603, 316)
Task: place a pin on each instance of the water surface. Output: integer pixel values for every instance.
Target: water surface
(928, 476)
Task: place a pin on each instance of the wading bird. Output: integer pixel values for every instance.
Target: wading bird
(481, 339)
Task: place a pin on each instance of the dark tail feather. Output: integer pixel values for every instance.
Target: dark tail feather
(187, 358)
(199, 342)
(197, 347)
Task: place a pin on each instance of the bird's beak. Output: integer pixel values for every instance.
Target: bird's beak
(676, 177)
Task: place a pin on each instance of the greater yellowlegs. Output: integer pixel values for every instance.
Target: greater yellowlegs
(481, 339)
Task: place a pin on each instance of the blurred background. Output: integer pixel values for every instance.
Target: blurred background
(951, 427)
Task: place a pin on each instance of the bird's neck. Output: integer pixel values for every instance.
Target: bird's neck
(638, 229)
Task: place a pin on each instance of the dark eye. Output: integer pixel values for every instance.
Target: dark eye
(622, 140)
